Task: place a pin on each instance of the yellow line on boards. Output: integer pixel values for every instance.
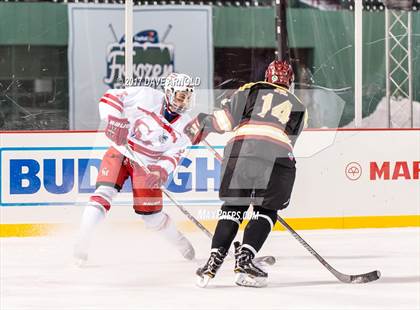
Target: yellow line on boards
(33, 230)
(27, 230)
(352, 222)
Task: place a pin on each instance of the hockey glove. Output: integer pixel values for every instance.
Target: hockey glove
(195, 129)
(117, 129)
(156, 178)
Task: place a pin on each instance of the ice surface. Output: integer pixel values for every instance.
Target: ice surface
(130, 268)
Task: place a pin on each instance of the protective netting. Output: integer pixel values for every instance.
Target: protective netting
(38, 41)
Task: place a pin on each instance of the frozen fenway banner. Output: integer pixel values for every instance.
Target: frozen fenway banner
(166, 39)
(341, 175)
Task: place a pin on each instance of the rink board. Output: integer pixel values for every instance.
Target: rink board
(345, 179)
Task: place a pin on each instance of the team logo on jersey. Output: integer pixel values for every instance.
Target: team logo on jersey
(105, 171)
(151, 60)
(163, 138)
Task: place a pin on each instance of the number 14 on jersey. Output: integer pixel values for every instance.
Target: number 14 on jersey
(280, 111)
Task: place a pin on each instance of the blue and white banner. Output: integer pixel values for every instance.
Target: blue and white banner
(358, 173)
(57, 176)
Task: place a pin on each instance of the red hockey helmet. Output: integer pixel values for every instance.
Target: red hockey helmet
(280, 72)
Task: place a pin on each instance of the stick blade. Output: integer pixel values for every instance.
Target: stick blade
(360, 278)
(366, 277)
(268, 260)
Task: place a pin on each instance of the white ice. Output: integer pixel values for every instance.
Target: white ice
(130, 268)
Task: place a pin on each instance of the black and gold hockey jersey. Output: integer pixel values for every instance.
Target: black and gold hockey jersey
(266, 120)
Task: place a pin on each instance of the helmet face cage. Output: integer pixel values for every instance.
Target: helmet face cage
(280, 72)
(174, 83)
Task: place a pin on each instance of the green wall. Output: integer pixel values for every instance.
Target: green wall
(243, 27)
(33, 23)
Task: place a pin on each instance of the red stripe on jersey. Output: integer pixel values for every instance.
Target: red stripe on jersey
(112, 97)
(175, 119)
(103, 100)
(161, 123)
(153, 154)
(102, 201)
(258, 137)
(144, 150)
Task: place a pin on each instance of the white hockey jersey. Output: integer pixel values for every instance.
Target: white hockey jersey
(156, 140)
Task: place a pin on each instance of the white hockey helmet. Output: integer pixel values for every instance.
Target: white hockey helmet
(179, 93)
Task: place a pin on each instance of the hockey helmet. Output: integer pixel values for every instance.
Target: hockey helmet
(280, 72)
(179, 93)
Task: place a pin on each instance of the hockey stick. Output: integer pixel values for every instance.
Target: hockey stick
(346, 278)
(359, 278)
(270, 260)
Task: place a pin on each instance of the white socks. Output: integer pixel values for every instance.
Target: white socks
(163, 223)
(92, 216)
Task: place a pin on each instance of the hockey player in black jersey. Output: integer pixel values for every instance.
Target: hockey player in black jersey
(258, 167)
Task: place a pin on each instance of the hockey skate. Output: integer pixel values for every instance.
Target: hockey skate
(80, 253)
(247, 272)
(209, 270)
(185, 247)
(176, 238)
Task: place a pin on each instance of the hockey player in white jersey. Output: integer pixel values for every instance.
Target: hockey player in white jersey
(151, 123)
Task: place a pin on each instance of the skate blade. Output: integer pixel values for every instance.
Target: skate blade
(202, 281)
(243, 279)
(189, 254)
(80, 262)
